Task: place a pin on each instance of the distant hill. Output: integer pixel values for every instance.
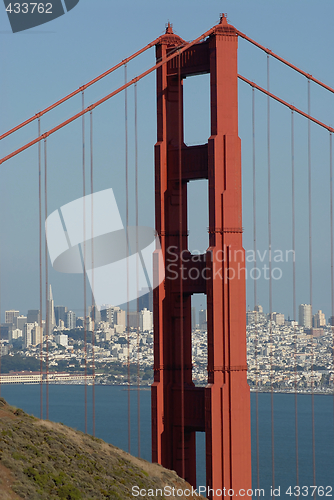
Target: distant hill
(43, 460)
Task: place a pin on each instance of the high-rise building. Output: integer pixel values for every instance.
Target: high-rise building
(319, 319)
(146, 300)
(278, 318)
(33, 316)
(250, 317)
(19, 322)
(95, 314)
(15, 334)
(133, 319)
(202, 319)
(305, 315)
(120, 320)
(108, 314)
(36, 335)
(258, 308)
(10, 315)
(27, 334)
(61, 340)
(70, 320)
(51, 322)
(5, 328)
(60, 314)
(146, 320)
(193, 318)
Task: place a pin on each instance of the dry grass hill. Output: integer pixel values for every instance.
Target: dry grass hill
(44, 460)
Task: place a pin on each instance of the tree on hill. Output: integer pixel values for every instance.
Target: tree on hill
(18, 363)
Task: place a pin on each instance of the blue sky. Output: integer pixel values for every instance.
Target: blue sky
(41, 65)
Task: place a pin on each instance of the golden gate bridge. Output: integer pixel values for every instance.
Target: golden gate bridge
(180, 409)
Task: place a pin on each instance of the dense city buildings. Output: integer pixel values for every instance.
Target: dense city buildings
(282, 354)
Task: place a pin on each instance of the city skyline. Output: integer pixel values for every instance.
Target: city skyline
(45, 83)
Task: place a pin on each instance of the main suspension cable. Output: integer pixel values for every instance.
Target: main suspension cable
(107, 97)
(285, 103)
(77, 91)
(284, 61)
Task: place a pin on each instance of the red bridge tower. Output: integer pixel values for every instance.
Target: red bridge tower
(222, 408)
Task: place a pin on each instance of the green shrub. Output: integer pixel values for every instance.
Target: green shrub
(69, 492)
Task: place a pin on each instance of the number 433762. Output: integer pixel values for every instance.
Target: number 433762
(29, 8)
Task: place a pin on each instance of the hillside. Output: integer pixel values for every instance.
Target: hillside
(44, 460)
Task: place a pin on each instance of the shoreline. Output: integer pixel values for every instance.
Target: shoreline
(134, 387)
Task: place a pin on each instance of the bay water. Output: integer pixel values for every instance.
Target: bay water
(67, 405)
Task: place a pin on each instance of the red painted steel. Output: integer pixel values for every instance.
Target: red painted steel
(222, 408)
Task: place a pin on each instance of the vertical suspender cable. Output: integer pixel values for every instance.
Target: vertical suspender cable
(127, 250)
(255, 300)
(180, 263)
(332, 253)
(270, 284)
(137, 266)
(294, 283)
(40, 266)
(310, 267)
(92, 264)
(84, 251)
(47, 318)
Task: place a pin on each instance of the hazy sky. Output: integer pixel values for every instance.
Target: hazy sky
(41, 65)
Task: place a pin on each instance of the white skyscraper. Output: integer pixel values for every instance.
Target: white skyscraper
(51, 322)
(305, 315)
(36, 335)
(70, 320)
(319, 319)
(62, 340)
(27, 334)
(146, 320)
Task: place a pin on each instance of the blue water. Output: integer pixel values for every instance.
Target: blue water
(66, 405)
